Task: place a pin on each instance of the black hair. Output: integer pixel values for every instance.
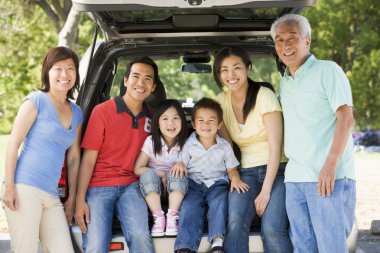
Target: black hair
(156, 132)
(208, 103)
(253, 87)
(53, 56)
(145, 60)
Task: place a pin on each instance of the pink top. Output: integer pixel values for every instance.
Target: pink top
(164, 161)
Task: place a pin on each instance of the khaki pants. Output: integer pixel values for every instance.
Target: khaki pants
(40, 217)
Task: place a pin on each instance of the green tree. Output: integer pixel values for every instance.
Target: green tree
(26, 32)
(347, 32)
(23, 39)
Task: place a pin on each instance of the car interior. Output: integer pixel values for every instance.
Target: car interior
(184, 75)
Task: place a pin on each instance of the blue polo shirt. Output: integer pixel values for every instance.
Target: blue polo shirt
(309, 102)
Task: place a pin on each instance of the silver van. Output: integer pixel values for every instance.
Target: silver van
(181, 36)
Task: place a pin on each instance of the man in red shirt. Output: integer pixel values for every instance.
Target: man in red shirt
(113, 139)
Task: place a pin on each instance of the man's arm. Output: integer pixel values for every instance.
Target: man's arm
(82, 211)
(345, 121)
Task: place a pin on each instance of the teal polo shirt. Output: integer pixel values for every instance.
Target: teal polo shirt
(309, 102)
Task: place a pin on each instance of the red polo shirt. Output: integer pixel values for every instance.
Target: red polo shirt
(118, 137)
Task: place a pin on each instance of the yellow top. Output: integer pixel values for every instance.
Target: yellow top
(252, 136)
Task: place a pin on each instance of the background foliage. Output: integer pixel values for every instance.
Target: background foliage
(345, 31)
(348, 32)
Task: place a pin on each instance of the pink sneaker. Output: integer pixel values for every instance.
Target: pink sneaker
(171, 225)
(158, 227)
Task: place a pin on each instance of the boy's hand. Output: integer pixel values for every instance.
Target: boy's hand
(178, 170)
(261, 202)
(239, 185)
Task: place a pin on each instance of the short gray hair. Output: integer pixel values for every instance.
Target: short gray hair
(302, 23)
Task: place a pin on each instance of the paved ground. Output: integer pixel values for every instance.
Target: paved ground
(367, 207)
(367, 243)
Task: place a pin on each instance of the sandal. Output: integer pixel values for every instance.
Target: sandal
(216, 249)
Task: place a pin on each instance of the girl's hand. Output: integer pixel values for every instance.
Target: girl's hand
(239, 185)
(261, 202)
(10, 198)
(178, 170)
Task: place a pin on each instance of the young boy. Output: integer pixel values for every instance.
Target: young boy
(208, 158)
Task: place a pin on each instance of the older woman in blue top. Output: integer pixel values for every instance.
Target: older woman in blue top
(48, 125)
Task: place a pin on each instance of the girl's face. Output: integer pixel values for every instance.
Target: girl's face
(233, 73)
(62, 75)
(170, 124)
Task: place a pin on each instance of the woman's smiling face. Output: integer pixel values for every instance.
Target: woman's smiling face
(233, 72)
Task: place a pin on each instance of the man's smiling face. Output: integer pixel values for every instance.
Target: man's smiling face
(291, 46)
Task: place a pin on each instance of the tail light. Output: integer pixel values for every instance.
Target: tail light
(116, 246)
(63, 186)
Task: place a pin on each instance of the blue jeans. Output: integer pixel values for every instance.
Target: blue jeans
(192, 212)
(151, 182)
(320, 224)
(131, 210)
(241, 211)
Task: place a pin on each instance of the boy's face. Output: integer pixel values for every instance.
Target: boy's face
(206, 123)
(140, 82)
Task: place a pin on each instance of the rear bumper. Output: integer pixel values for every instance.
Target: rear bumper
(166, 244)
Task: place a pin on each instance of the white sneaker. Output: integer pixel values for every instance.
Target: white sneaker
(171, 225)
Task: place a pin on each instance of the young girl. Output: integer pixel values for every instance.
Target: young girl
(157, 163)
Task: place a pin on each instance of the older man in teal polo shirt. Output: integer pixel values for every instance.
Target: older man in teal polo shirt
(317, 106)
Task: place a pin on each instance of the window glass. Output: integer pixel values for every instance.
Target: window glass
(181, 85)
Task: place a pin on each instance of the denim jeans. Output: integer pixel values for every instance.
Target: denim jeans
(320, 224)
(151, 182)
(131, 210)
(192, 212)
(241, 211)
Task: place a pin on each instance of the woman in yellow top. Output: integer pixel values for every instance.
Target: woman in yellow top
(253, 120)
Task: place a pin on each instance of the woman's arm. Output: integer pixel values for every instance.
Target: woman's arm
(274, 126)
(73, 161)
(25, 118)
(223, 132)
